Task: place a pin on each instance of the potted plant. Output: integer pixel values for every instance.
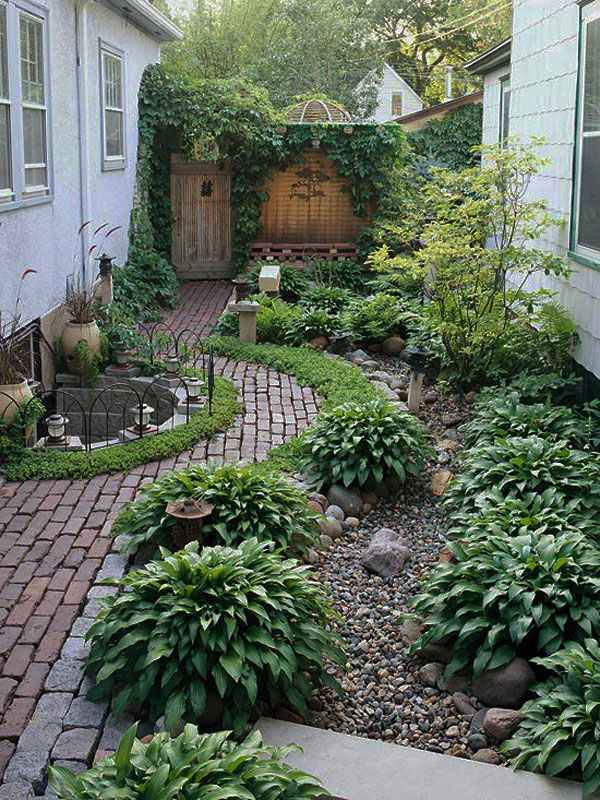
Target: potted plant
(123, 340)
(80, 304)
(14, 388)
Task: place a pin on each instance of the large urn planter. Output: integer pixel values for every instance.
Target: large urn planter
(75, 332)
(13, 395)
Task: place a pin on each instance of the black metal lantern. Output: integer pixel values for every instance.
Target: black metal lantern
(105, 264)
(416, 358)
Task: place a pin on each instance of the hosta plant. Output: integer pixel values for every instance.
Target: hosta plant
(375, 318)
(528, 596)
(548, 512)
(358, 443)
(519, 465)
(506, 416)
(328, 298)
(194, 765)
(247, 503)
(560, 732)
(236, 630)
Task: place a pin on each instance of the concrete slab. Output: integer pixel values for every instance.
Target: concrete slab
(356, 769)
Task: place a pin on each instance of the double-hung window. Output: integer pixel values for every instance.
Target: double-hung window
(24, 161)
(587, 197)
(397, 104)
(113, 108)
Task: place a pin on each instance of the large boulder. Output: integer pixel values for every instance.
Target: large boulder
(393, 345)
(348, 500)
(505, 687)
(500, 723)
(386, 554)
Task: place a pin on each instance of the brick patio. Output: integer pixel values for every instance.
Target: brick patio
(55, 535)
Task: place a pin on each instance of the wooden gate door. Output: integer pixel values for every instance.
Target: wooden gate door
(201, 200)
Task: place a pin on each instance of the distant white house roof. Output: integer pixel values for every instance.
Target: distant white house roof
(495, 57)
(402, 80)
(147, 17)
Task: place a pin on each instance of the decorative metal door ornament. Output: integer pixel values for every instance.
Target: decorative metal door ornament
(311, 180)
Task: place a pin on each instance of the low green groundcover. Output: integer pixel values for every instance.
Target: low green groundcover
(192, 766)
(56, 465)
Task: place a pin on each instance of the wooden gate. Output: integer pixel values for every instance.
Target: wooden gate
(201, 200)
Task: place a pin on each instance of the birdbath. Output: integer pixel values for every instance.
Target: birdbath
(247, 311)
(190, 515)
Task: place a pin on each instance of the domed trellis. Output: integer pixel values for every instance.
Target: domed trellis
(312, 111)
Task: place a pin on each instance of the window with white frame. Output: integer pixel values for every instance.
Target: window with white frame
(504, 121)
(113, 108)
(587, 206)
(24, 165)
(397, 104)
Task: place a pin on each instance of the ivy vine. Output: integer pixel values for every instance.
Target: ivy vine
(253, 136)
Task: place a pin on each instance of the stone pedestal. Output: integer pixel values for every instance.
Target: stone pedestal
(247, 311)
(415, 389)
(72, 443)
(122, 371)
(103, 289)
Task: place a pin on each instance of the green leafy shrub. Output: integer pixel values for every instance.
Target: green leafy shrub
(145, 286)
(293, 285)
(328, 298)
(515, 466)
(506, 416)
(358, 443)
(453, 139)
(315, 322)
(276, 322)
(194, 765)
(241, 629)
(345, 274)
(559, 732)
(376, 318)
(247, 504)
(527, 595)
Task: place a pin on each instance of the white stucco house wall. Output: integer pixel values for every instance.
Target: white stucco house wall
(394, 96)
(70, 71)
(545, 81)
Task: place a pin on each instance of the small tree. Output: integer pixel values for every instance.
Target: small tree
(480, 263)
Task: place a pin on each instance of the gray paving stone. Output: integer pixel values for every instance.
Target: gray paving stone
(81, 626)
(75, 649)
(77, 744)
(28, 767)
(74, 766)
(85, 687)
(16, 791)
(102, 591)
(65, 676)
(39, 736)
(114, 730)
(91, 609)
(52, 707)
(85, 714)
(114, 566)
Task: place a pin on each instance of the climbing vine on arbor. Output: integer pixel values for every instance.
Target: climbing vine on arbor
(234, 121)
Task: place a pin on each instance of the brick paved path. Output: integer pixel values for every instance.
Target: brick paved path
(54, 535)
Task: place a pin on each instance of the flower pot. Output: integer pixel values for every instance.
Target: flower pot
(13, 395)
(121, 357)
(75, 332)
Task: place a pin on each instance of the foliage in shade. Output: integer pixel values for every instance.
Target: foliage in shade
(376, 318)
(451, 140)
(327, 298)
(360, 443)
(241, 624)
(293, 284)
(247, 504)
(514, 466)
(194, 765)
(559, 733)
(528, 596)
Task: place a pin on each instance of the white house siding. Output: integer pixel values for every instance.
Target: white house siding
(392, 83)
(543, 101)
(44, 237)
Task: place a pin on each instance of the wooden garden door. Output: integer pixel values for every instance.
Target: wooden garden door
(201, 200)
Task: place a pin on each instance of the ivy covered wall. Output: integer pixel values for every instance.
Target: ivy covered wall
(234, 121)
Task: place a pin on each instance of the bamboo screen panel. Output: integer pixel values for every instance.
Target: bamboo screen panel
(309, 203)
(201, 200)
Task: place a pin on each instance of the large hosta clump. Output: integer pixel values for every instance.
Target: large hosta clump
(213, 637)
(247, 504)
(504, 597)
(193, 766)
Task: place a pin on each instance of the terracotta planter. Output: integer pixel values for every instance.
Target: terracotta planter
(13, 395)
(75, 332)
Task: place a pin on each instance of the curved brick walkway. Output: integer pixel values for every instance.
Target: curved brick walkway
(55, 543)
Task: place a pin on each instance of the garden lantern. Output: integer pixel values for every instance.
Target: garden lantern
(141, 418)
(416, 358)
(57, 426)
(172, 364)
(194, 388)
(190, 514)
(105, 264)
